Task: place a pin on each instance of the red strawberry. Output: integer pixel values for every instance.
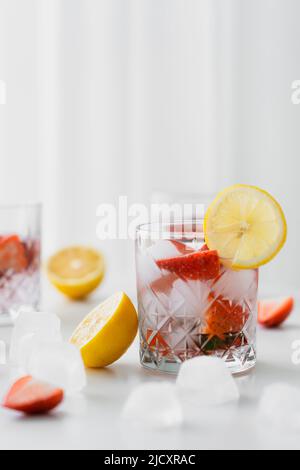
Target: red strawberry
(204, 248)
(157, 341)
(272, 313)
(32, 397)
(12, 254)
(199, 266)
(225, 317)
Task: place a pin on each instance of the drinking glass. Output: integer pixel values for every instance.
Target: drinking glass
(20, 249)
(187, 311)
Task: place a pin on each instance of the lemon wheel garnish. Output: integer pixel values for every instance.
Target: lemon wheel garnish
(107, 332)
(76, 271)
(246, 225)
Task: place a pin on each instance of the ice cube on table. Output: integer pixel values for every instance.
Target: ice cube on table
(59, 364)
(153, 405)
(31, 328)
(15, 313)
(280, 406)
(206, 381)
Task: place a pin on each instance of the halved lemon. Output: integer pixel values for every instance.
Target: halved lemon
(76, 271)
(107, 332)
(246, 225)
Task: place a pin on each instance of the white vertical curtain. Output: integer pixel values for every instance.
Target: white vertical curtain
(110, 97)
(18, 118)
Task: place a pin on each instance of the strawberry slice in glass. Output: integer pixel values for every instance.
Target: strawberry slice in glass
(198, 266)
(12, 254)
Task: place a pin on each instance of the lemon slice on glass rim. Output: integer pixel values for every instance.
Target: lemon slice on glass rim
(246, 225)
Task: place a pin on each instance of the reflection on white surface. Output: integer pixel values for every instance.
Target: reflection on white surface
(153, 406)
(280, 406)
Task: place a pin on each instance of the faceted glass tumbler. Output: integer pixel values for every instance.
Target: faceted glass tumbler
(20, 249)
(183, 315)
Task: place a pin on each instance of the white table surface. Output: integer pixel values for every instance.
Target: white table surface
(92, 420)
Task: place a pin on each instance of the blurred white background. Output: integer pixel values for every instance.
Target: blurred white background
(111, 97)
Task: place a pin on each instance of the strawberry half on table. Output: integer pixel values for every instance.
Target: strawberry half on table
(198, 266)
(33, 397)
(272, 313)
(12, 254)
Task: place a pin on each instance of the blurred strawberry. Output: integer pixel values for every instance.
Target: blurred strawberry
(204, 248)
(12, 254)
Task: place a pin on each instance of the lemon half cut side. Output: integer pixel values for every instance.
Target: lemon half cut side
(246, 225)
(76, 271)
(107, 332)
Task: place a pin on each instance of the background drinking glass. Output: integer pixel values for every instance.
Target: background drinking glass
(20, 249)
(186, 314)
